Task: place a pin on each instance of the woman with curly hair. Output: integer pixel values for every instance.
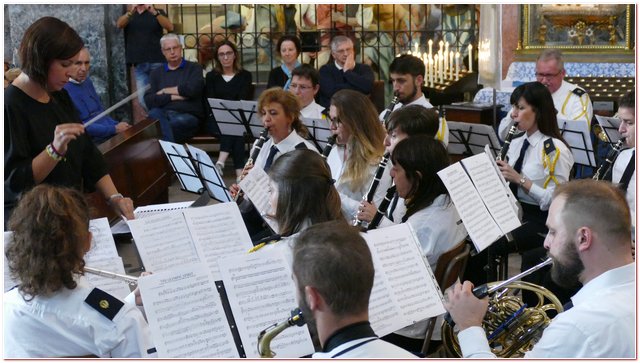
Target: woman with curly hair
(54, 312)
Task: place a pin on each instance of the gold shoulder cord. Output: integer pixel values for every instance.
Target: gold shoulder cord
(442, 129)
(583, 103)
(547, 162)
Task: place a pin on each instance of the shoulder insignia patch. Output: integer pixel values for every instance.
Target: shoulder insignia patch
(549, 147)
(104, 303)
(301, 146)
(579, 92)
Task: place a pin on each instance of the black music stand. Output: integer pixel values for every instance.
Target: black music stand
(576, 133)
(319, 131)
(196, 173)
(610, 126)
(469, 139)
(236, 118)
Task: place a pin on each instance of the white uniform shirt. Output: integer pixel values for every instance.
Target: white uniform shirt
(289, 143)
(618, 169)
(398, 212)
(312, 110)
(375, 348)
(569, 106)
(351, 199)
(601, 323)
(533, 169)
(63, 325)
(443, 128)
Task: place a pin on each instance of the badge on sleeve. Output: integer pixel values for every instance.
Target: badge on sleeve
(579, 92)
(104, 303)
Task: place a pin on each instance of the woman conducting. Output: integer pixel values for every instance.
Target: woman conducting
(45, 141)
(54, 312)
(289, 47)
(228, 81)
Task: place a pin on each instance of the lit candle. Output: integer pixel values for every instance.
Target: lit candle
(425, 60)
(470, 58)
(457, 65)
(441, 44)
(446, 56)
(417, 45)
(436, 64)
(430, 48)
(451, 64)
(430, 71)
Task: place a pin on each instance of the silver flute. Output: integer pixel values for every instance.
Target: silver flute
(132, 280)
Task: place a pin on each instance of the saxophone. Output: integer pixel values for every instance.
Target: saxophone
(390, 108)
(502, 155)
(382, 208)
(266, 336)
(327, 148)
(372, 188)
(604, 168)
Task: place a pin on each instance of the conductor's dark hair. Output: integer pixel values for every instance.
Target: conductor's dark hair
(292, 38)
(539, 98)
(308, 72)
(306, 191)
(50, 230)
(407, 64)
(414, 120)
(628, 100)
(334, 258)
(44, 41)
(421, 157)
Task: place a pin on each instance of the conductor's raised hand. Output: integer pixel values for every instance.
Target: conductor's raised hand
(465, 309)
(65, 133)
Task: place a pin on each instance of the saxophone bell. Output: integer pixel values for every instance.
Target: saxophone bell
(266, 336)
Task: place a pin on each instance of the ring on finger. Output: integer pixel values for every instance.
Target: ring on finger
(61, 133)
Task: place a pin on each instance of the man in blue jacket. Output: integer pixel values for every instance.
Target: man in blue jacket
(87, 102)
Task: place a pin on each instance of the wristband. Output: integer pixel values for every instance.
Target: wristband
(54, 154)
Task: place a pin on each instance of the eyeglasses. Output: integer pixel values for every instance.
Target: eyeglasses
(295, 86)
(176, 48)
(335, 121)
(547, 75)
(226, 54)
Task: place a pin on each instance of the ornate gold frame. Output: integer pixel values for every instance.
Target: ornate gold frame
(535, 40)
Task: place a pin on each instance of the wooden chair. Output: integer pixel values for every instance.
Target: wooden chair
(449, 268)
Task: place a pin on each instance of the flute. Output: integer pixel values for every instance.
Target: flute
(112, 275)
(120, 103)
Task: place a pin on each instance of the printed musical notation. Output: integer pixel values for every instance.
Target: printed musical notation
(268, 273)
(185, 314)
(256, 186)
(218, 231)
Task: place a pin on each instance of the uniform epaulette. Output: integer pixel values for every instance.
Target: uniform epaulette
(104, 303)
(579, 92)
(549, 147)
(301, 146)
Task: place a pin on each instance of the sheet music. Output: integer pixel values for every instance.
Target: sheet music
(577, 134)
(218, 231)
(610, 126)
(482, 229)
(115, 287)
(256, 187)
(163, 241)
(182, 166)
(9, 283)
(102, 245)
(492, 191)
(147, 211)
(215, 183)
(515, 204)
(400, 265)
(261, 293)
(319, 128)
(185, 314)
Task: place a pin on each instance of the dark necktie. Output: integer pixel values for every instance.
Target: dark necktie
(394, 203)
(518, 167)
(628, 172)
(272, 153)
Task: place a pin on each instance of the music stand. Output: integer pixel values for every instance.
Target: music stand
(319, 131)
(576, 133)
(610, 126)
(469, 139)
(236, 118)
(209, 174)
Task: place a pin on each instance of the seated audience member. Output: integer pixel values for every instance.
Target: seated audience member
(333, 272)
(624, 168)
(407, 76)
(304, 85)
(358, 150)
(228, 81)
(589, 242)
(10, 75)
(54, 311)
(302, 192)
(405, 122)
(289, 48)
(87, 102)
(175, 96)
(343, 72)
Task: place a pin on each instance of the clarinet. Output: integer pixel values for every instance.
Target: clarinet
(382, 208)
(603, 169)
(390, 108)
(327, 148)
(264, 136)
(373, 187)
(502, 155)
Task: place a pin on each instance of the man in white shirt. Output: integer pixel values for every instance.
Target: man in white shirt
(571, 102)
(406, 74)
(624, 168)
(333, 272)
(589, 241)
(304, 85)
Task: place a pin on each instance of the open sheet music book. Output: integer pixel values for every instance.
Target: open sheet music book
(148, 211)
(483, 199)
(189, 319)
(256, 187)
(610, 126)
